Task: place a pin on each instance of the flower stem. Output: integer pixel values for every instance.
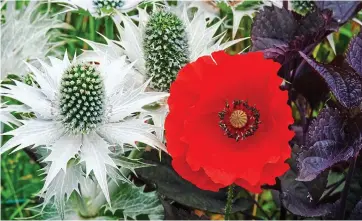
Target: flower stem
(283, 212)
(347, 185)
(255, 207)
(229, 202)
(82, 207)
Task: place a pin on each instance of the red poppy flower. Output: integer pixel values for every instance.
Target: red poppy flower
(228, 122)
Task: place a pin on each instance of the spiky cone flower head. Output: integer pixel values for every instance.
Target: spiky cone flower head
(166, 48)
(100, 8)
(26, 35)
(162, 42)
(82, 109)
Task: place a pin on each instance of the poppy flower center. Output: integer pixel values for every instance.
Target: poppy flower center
(239, 120)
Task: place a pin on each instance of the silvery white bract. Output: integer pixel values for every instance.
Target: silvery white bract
(100, 8)
(7, 118)
(82, 111)
(24, 37)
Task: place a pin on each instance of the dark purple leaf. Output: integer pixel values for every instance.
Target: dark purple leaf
(315, 23)
(327, 126)
(345, 84)
(298, 200)
(342, 10)
(354, 54)
(321, 156)
(169, 184)
(325, 146)
(357, 212)
(281, 35)
(273, 26)
(311, 86)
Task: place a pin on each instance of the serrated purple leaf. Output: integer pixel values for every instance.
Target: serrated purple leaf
(345, 84)
(354, 54)
(272, 27)
(342, 10)
(297, 199)
(321, 156)
(280, 35)
(327, 126)
(325, 147)
(316, 24)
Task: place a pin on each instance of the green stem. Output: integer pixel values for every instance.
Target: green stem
(83, 211)
(109, 28)
(229, 202)
(92, 31)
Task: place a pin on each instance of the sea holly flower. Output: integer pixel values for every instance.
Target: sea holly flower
(228, 122)
(166, 48)
(82, 109)
(163, 42)
(100, 8)
(25, 36)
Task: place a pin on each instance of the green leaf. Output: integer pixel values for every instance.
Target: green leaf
(133, 201)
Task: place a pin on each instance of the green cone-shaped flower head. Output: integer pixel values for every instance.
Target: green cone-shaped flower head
(166, 49)
(82, 98)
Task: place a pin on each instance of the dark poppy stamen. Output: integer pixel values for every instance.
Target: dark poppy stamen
(239, 120)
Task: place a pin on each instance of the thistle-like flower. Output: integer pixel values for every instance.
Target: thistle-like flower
(82, 110)
(100, 8)
(163, 42)
(25, 36)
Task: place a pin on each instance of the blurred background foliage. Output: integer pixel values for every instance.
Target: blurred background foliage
(21, 177)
